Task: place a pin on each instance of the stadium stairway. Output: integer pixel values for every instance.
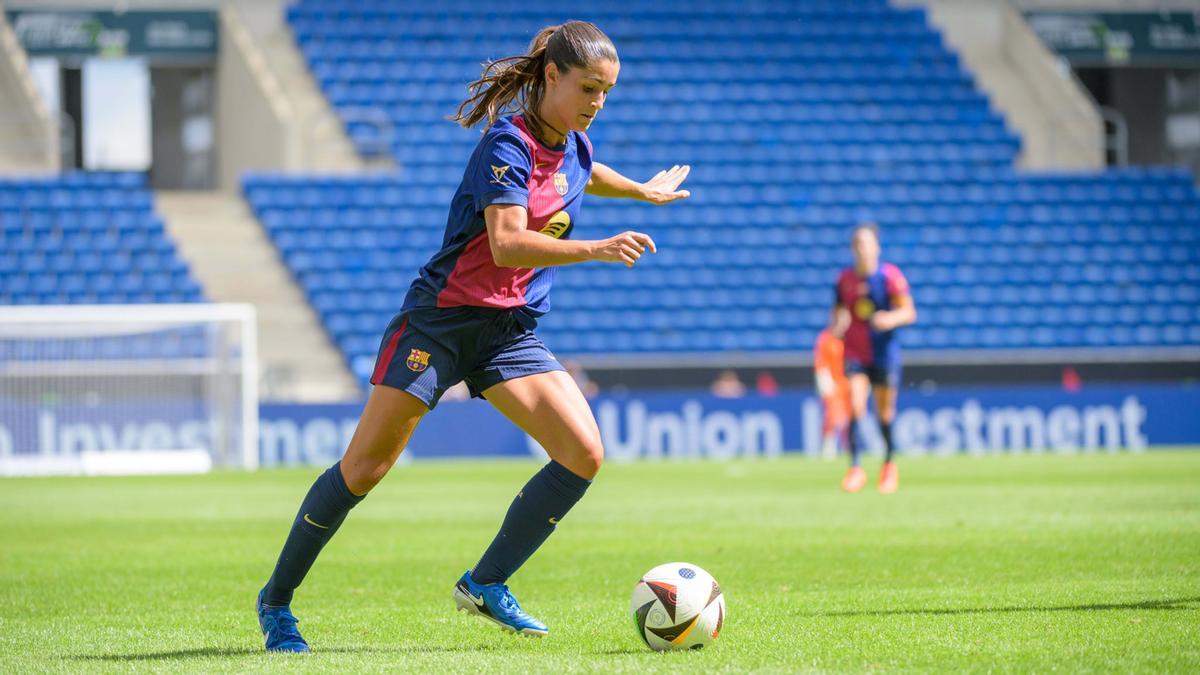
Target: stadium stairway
(835, 112)
(28, 140)
(1059, 123)
(228, 253)
(322, 143)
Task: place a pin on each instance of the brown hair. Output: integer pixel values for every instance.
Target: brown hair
(869, 227)
(517, 83)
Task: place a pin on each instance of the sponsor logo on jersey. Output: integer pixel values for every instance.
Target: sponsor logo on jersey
(417, 361)
(557, 226)
(560, 183)
(500, 175)
(864, 308)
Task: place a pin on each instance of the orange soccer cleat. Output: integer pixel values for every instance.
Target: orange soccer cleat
(889, 479)
(855, 480)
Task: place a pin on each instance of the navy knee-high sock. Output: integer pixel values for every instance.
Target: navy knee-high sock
(539, 505)
(320, 515)
(852, 441)
(886, 428)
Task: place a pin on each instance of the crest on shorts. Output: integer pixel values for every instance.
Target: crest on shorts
(417, 361)
(560, 183)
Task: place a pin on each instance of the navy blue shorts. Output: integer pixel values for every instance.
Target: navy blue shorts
(886, 375)
(427, 350)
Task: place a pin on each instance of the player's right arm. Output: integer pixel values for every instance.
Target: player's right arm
(839, 314)
(824, 381)
(513, 244)
(822, 365)
(500, 182)
(839, 320)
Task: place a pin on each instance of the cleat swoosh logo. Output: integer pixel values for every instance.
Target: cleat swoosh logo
(312, 522)
(478, 601)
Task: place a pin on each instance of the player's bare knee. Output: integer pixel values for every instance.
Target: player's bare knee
(362, 476)
(887, 413)
(590, 457)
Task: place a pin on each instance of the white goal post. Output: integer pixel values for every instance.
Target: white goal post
(126, 389)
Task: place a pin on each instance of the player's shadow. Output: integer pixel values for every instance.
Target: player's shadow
(1167, 604)
(210, 652)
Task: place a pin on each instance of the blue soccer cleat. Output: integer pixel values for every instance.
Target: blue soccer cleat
(497, 604)
(279, 627)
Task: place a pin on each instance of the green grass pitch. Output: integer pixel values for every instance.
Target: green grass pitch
(1013, 564)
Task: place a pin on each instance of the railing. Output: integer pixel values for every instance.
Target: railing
(1065, 136)
(1117, 141)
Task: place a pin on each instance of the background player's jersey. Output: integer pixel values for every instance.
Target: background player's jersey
(509, 166)
(863, 296)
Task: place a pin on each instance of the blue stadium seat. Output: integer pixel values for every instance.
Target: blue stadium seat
(68, 235)
(855, 111)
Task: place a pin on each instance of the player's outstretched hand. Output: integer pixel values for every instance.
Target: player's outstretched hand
(626, 248)
(663, 188)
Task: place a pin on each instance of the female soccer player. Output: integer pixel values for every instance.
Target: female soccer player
(471, 312)
(871, 301)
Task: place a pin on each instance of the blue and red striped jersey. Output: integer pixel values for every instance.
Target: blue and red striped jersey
(863, 296)
(509, 166)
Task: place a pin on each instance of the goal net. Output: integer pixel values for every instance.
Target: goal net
(121, 389)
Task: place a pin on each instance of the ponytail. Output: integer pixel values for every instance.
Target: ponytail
(518, 83)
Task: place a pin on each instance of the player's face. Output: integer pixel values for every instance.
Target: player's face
(866, 248)
(575, 97)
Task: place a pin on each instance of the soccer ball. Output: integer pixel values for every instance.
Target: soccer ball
(677, 606)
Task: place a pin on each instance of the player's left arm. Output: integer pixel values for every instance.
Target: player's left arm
(663, 188)
(903, 313)
(904, 310)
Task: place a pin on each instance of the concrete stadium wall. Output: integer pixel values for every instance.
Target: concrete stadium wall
(255, 122)
(28, 133)
(1059, 123)
(1108, 5)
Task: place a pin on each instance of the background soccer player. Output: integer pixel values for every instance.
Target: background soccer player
(829, 371)
(470, 316)
(871, 301)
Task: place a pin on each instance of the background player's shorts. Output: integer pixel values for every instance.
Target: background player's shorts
(888, 375)
(425, 351)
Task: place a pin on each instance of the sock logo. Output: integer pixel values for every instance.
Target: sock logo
(553, 520)
(312, 522)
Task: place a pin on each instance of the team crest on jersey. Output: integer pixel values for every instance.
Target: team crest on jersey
(499, 175)
(417, 361)
(558, 225)
(864, 308)
(560, 183)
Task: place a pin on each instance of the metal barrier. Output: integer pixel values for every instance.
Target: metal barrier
(1116, 142)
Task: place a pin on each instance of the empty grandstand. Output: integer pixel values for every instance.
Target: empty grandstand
(833, 113)
(87, 238)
